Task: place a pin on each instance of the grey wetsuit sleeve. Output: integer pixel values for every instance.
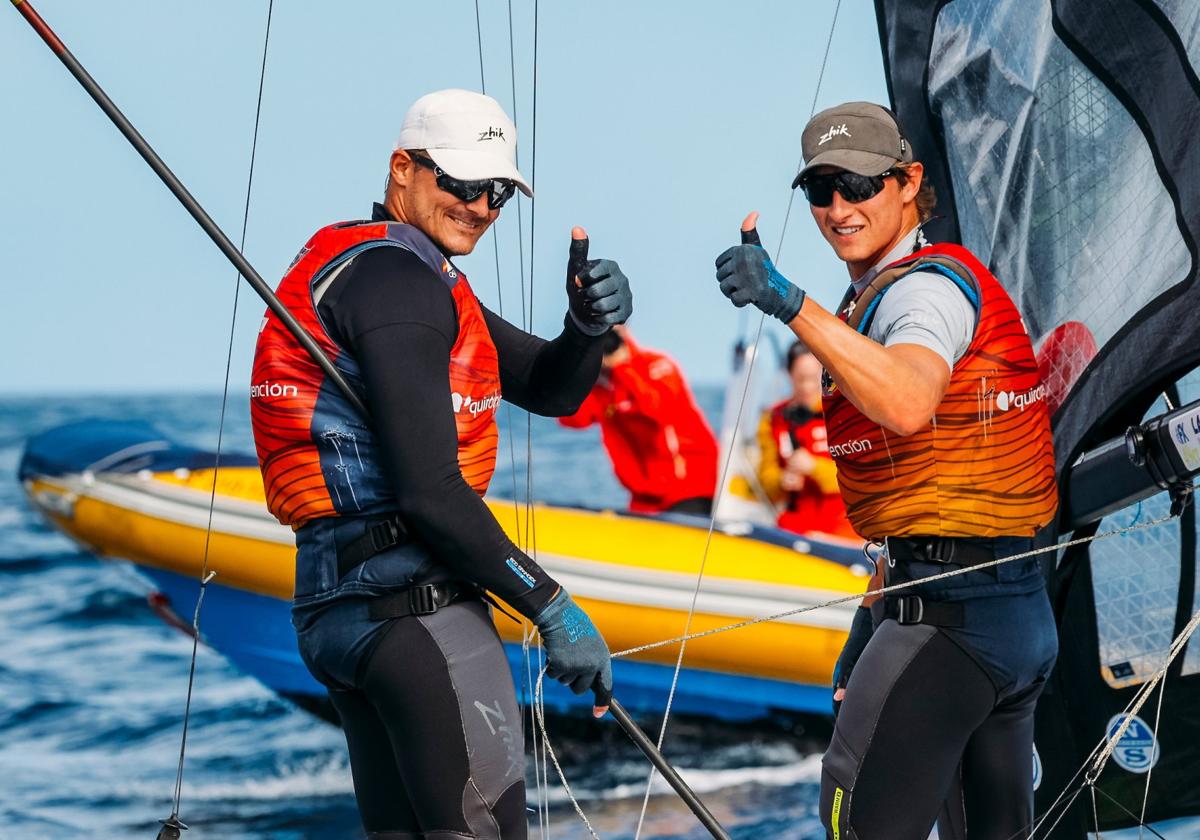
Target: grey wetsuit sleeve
(926, 309)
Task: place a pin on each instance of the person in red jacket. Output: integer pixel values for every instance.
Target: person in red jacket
(661, 447)
(795, 468)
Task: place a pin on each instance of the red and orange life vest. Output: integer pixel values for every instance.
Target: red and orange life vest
(318, 456)
(813, 507)
(984, 465)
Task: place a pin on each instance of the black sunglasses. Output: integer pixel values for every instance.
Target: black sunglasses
(499, 191)
(819, 189)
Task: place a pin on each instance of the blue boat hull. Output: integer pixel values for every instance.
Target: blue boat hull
(255, 633)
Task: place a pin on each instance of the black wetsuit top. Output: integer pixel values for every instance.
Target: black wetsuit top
(398, 319)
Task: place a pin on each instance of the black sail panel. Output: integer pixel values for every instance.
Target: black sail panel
(1061, 136)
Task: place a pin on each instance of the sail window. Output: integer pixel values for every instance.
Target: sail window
(1056, 187)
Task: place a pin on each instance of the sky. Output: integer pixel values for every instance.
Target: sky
(659, 125)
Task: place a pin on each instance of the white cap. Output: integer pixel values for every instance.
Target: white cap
(467, 134)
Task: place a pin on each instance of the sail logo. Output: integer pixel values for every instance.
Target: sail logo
(491, 133)
(1037, 768)
(1012, 399)
(1137, 751)
(272, 389)
(834, 131)
(474, 407)
(850, 447)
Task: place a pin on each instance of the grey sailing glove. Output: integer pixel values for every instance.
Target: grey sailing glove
(747, 275)
(598, 291)
(577, 654)
(861, 630)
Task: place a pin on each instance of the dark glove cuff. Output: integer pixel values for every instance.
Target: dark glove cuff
(591, 330)
(791, 305)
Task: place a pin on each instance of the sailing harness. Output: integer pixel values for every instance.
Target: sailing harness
(382, 535)
(910, 608)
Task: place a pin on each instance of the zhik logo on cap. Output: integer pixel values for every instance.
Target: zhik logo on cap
(834, 131)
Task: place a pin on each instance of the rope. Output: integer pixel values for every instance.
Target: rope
(896, 587)
(1143, 695)
(205, 575)
(541, 717)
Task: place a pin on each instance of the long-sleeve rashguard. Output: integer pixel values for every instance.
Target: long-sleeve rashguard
(398, 319)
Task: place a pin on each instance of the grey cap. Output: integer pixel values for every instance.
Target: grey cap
(861, 137)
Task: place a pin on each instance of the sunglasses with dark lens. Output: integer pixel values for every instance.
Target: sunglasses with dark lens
(819, 189)
(499, 191)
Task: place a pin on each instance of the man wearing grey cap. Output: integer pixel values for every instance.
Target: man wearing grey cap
(938, 466)
(396, 550)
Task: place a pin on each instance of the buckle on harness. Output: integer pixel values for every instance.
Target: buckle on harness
(939, 552)
(423, 599)
(910, 609)
(384, 535)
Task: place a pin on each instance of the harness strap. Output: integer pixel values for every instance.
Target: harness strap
(913, 609)
(419, 600)
(960, 551)
(380, 536)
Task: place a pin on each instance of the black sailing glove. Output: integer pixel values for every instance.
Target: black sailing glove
(747, 275)
(597, 291)
(861, 629)
(577, 654)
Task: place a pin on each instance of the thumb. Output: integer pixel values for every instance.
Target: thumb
(578, 254)
(750, 230)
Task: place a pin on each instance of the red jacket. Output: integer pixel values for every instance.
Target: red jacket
(662, 448)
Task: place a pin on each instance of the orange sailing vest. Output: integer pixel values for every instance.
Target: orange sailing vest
(984, 465)
(318, 456)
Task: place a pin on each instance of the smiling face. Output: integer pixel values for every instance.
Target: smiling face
(414, 197)
(862, 234)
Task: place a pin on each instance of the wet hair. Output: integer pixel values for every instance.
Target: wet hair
(926, 196)
(796, 351)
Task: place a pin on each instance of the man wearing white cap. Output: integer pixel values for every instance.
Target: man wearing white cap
(396, 550)
(939, 680)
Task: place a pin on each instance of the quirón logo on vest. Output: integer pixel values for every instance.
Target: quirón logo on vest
(472, 406)
(273, 389)
(1011, 399)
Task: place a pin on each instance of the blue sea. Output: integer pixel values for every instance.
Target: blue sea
(92, 688)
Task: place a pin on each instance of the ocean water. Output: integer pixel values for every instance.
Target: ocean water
(92, 689)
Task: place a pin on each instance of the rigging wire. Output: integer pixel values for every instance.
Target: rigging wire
(526, 630)
(205, 576)
(753, 355)
(1129, 813)
(530, 519)
(531, 535)
(1162, 692)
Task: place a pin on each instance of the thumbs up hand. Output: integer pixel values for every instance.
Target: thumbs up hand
(597, 290)
(747, 275)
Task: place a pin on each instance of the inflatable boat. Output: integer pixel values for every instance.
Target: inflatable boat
(125, 492)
